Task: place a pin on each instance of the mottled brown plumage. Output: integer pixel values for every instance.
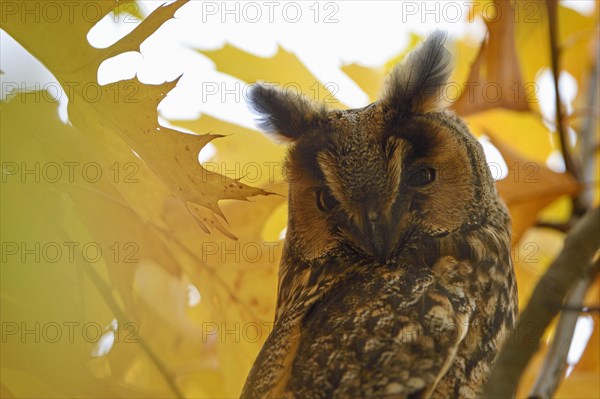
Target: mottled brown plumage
(396, 279)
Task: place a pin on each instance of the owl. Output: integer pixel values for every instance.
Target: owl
(396, 279)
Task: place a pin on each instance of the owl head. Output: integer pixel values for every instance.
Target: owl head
(369, 179)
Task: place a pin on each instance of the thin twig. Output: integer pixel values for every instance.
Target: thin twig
(588, 144)
(581, 309)
(561, 227)
(551, 5)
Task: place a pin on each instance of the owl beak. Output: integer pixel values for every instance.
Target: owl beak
(378, 237)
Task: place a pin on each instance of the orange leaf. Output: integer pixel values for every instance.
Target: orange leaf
(529, 188)
(495, 78)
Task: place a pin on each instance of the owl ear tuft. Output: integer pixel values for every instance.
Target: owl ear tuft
(285, 114)
(415, 85)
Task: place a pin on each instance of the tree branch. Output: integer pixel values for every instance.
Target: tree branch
(571, 266)
(588, 144)
(555, 362)
(551, 6)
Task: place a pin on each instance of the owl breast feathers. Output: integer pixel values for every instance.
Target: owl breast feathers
(396, 279)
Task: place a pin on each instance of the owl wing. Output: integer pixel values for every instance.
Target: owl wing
(394, 333)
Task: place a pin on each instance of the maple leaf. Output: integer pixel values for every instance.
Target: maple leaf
(128, 108)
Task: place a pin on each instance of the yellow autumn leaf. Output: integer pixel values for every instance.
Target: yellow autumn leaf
(244, 153)
(371, 79)
(529, 187)
(524, 131)
(495, 79)
(126, 108)
(294, 76)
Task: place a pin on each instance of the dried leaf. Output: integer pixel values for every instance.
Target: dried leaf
(529, 187)
(495, 79)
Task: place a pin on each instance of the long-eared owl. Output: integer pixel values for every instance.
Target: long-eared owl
(396, 279)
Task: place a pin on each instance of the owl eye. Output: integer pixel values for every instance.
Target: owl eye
(325, 201)
(422, 177)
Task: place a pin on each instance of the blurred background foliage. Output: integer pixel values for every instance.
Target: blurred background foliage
(127, 272)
